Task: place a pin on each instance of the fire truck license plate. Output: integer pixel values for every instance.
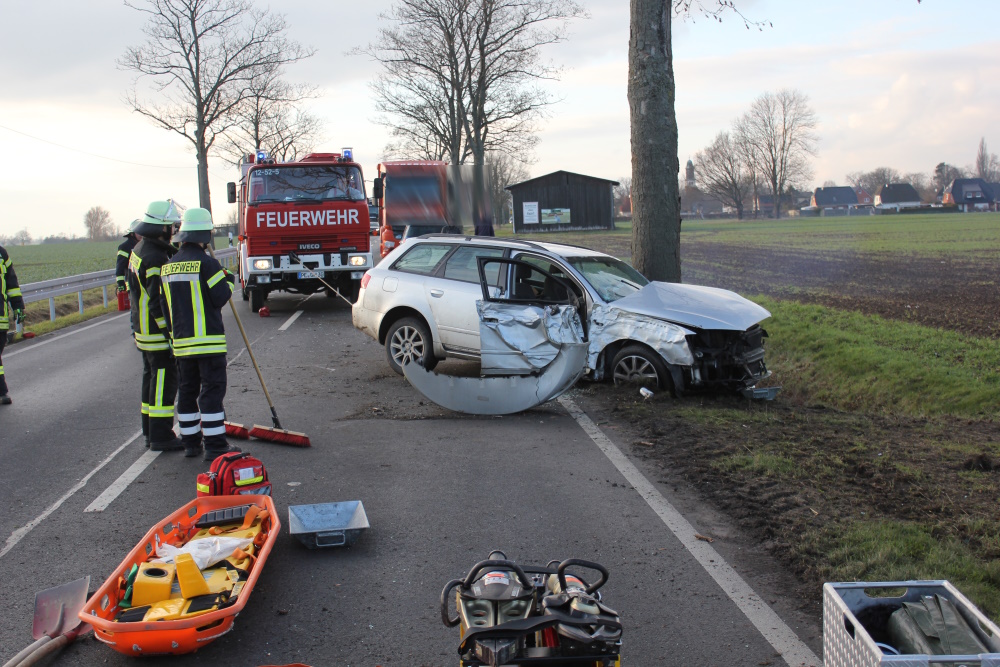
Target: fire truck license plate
(311, 274)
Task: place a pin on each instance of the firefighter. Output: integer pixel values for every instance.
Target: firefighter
(11, 307)
(159, 372)
(124, 252)
(195, 289)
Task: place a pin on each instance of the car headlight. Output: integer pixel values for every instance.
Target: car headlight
(262, 264)
(358, 260)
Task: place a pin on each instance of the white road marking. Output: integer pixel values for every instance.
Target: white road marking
(768, 623)
(108, 496)
(290, 320)
(35, 346)
(19, 534)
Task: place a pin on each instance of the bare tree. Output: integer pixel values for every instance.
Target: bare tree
(921, 183)
(270, 118)
(460, 73)
(98, 223)
(781, 126)
(987, 164)
(723, 172)
(203, 55)
(21, 238)
(872, 180)
(503, 169)
(622, 192)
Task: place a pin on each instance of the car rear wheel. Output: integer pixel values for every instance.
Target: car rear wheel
(641, 366)
(409, 340)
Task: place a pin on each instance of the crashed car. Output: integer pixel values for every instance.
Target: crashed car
(425, 302)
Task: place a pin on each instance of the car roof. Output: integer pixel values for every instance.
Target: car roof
(561, 249)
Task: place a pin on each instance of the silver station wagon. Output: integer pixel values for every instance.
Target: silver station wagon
(423, 303)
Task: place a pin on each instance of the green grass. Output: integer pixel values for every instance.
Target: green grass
(873, 550)
(864, 362)
(34, 263)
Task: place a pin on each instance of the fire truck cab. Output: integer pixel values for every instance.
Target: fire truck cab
(300, 222)
(411, 193)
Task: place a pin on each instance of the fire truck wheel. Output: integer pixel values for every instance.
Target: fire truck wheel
(409, 340)
(245, 293)
(256, 299)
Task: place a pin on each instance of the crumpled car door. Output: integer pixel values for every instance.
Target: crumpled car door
(533, 345)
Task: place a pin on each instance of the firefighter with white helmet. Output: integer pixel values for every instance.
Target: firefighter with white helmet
(195, 289)
(124, 252)
(159, 372)
(11, 308)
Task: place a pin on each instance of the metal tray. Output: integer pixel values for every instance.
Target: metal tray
(328, 524)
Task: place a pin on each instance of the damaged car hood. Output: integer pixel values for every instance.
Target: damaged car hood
(694, 306)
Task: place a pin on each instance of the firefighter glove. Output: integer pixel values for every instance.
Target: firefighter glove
(122, 288)
(19, 316)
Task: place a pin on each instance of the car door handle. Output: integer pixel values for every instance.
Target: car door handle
(437, 292)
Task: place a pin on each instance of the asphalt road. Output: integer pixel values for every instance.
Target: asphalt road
(441, 491)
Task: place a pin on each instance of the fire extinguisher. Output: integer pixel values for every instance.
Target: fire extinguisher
(123, 301)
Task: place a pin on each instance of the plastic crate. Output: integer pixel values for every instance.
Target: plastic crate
(853, 621)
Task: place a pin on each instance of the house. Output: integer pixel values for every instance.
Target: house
(864, 197)
(897, 196)
(969, 194)
(563, 201)
(834, 198)
(995, 190)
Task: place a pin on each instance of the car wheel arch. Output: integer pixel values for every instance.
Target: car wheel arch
(399, 313)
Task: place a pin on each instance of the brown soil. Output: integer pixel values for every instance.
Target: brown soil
(841, 468)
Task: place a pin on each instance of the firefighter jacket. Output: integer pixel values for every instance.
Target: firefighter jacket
(10, 291)
(195, 288)
(121, 261)
(148, 321)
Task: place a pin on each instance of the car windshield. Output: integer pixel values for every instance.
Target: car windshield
(611, 278)
(311, 183)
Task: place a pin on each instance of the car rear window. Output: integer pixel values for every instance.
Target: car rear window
(422, 258)
(462, 265)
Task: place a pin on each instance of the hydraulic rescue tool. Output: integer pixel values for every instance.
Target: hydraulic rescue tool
(532, 616)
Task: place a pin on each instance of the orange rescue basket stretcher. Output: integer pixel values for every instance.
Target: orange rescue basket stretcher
(185, 635)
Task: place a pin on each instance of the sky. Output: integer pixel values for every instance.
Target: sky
(894, 83)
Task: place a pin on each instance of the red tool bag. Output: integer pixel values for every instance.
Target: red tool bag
(235, 473)
(123, 301)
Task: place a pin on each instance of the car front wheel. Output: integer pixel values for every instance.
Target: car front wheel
(409, 340)
(641, 366)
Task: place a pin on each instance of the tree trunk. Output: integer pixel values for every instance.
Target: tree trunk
(201, 148)
(656, 222)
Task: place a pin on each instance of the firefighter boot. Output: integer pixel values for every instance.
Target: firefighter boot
(5, 399)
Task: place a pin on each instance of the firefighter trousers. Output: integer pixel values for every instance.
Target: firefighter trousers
(199, 401)
(159, 388)
(3, 381)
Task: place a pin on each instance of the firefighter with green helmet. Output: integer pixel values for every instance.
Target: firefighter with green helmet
(195, 289)
(159, 372)
(11, 309)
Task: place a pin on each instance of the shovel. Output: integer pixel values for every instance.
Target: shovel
(56, 622)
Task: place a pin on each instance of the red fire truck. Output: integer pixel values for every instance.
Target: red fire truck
(299, 222)
(412, 194)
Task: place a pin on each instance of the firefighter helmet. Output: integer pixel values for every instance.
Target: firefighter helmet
(196, 226)
(132, 227)
(159, 219)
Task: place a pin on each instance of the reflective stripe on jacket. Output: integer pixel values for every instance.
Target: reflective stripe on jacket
(10, 290)
(195, 288)
(148, 321)
(121, 260)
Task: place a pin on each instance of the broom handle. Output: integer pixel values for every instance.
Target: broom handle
(256, 367)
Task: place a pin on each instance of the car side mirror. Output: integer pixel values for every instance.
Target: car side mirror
(377, 188)
(231, 192)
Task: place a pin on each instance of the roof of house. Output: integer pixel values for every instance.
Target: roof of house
(561, 171)
(836, 196)
(970, 189)
(897, 193)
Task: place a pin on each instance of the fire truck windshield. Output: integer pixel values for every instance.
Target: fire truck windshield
(409, 191)
(276, 183)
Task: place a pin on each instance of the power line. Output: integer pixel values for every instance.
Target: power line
(70, 148)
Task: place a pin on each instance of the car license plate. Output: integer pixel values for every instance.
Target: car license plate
(305, 275)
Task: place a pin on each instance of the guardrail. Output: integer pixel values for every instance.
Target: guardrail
(50, 289)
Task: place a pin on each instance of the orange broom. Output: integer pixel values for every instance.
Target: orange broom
(276, 434)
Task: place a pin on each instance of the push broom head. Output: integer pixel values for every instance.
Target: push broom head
(280, 436)
(234, 430)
